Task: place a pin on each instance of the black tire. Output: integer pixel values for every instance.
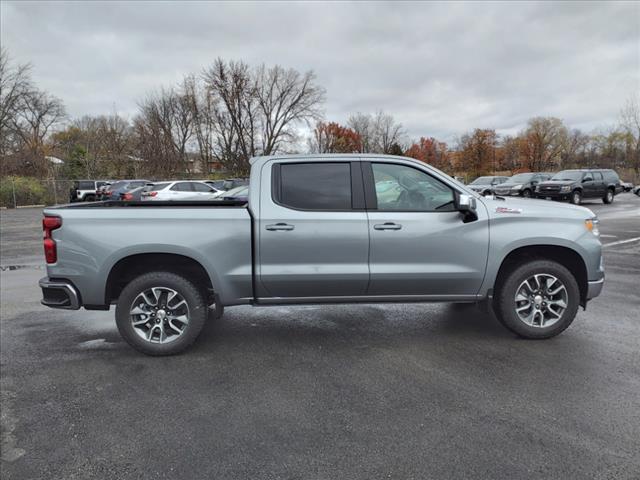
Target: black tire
(504, 299)
(90, 198)
(526, 193)
(608, 197)
(576, 197)
(197, 305)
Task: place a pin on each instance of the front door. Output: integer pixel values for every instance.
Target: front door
(313, 231)
(420, 245)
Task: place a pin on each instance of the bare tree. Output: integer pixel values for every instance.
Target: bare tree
(15, 83)
(285, 97)
(387, 132)
(362, 124)
(379, 132)
(630, 124)
(164, 128)
(39, 113)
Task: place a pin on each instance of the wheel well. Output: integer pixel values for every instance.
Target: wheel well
(133, 266)
(563, 255)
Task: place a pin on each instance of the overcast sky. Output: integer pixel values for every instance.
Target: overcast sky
(439, 68)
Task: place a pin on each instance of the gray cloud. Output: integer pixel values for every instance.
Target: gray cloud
(440, 68)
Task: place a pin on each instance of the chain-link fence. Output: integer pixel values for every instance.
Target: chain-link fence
(16, 192)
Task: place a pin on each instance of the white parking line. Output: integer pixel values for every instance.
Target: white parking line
(621, 242)
(608, 236)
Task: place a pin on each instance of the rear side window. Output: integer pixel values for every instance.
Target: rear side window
(157, 187)
(314, 186)
(182, 187)
(201, 187)
(86, 186)
(597, 176)
(611, 176)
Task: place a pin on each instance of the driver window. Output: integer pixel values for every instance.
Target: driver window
(403, 188)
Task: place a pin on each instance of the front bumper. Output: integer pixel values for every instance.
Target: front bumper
(59, 294)
(594, 288)
(552, 195)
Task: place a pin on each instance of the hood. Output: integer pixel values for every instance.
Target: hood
(528, 207)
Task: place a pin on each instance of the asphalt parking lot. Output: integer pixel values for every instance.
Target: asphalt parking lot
(332, 392)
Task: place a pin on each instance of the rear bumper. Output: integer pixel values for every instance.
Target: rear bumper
(594, 288)
(59, 294)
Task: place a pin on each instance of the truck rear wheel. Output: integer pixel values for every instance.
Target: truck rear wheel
(160, 313)
(537, 299)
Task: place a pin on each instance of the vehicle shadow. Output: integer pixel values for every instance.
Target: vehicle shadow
(352, 325)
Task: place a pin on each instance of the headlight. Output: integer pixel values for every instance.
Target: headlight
(592, 226)
(516, 187)
(565, 188)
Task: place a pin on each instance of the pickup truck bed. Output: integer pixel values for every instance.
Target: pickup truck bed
(217, 235)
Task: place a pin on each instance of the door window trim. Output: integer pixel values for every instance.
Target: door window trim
(357, 188)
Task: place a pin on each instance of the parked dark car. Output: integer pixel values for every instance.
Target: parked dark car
(576, 185)
(522, 184)
(486, 185)
(230, 183)
(136, 194)
(636, 190)
(217, 184)
(240, 193)
(117, 190)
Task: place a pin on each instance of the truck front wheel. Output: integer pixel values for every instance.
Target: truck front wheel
(576, 197)
(160, 313)
(537, 299)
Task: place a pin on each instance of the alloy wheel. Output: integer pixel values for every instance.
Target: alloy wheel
(541, 300)
(159, 315)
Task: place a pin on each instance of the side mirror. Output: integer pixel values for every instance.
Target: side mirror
(534, 183)
(466, 204)
(587, 179)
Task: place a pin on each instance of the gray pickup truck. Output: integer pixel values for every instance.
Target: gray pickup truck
(322, 229)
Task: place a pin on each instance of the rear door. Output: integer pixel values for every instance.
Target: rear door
(598, 183)
(179, 191)
(589, 187)
(313, 231)
(419, 245)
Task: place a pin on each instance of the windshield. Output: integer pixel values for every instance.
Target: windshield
(570, 175)
(482, 181)
(521, 178)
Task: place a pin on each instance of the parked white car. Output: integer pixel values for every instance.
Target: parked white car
(180, 190)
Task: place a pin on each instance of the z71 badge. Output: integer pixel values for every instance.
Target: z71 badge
(508, 210)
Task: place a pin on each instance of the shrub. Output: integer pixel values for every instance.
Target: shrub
(28, 191)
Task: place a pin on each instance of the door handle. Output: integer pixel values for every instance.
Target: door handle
(279, 226)
(387, 226)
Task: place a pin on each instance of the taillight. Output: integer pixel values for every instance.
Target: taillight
(127, 196)
(150, 194)
(49, 224)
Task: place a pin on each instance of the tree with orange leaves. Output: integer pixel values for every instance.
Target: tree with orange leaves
(431, 151)
(334, 138)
